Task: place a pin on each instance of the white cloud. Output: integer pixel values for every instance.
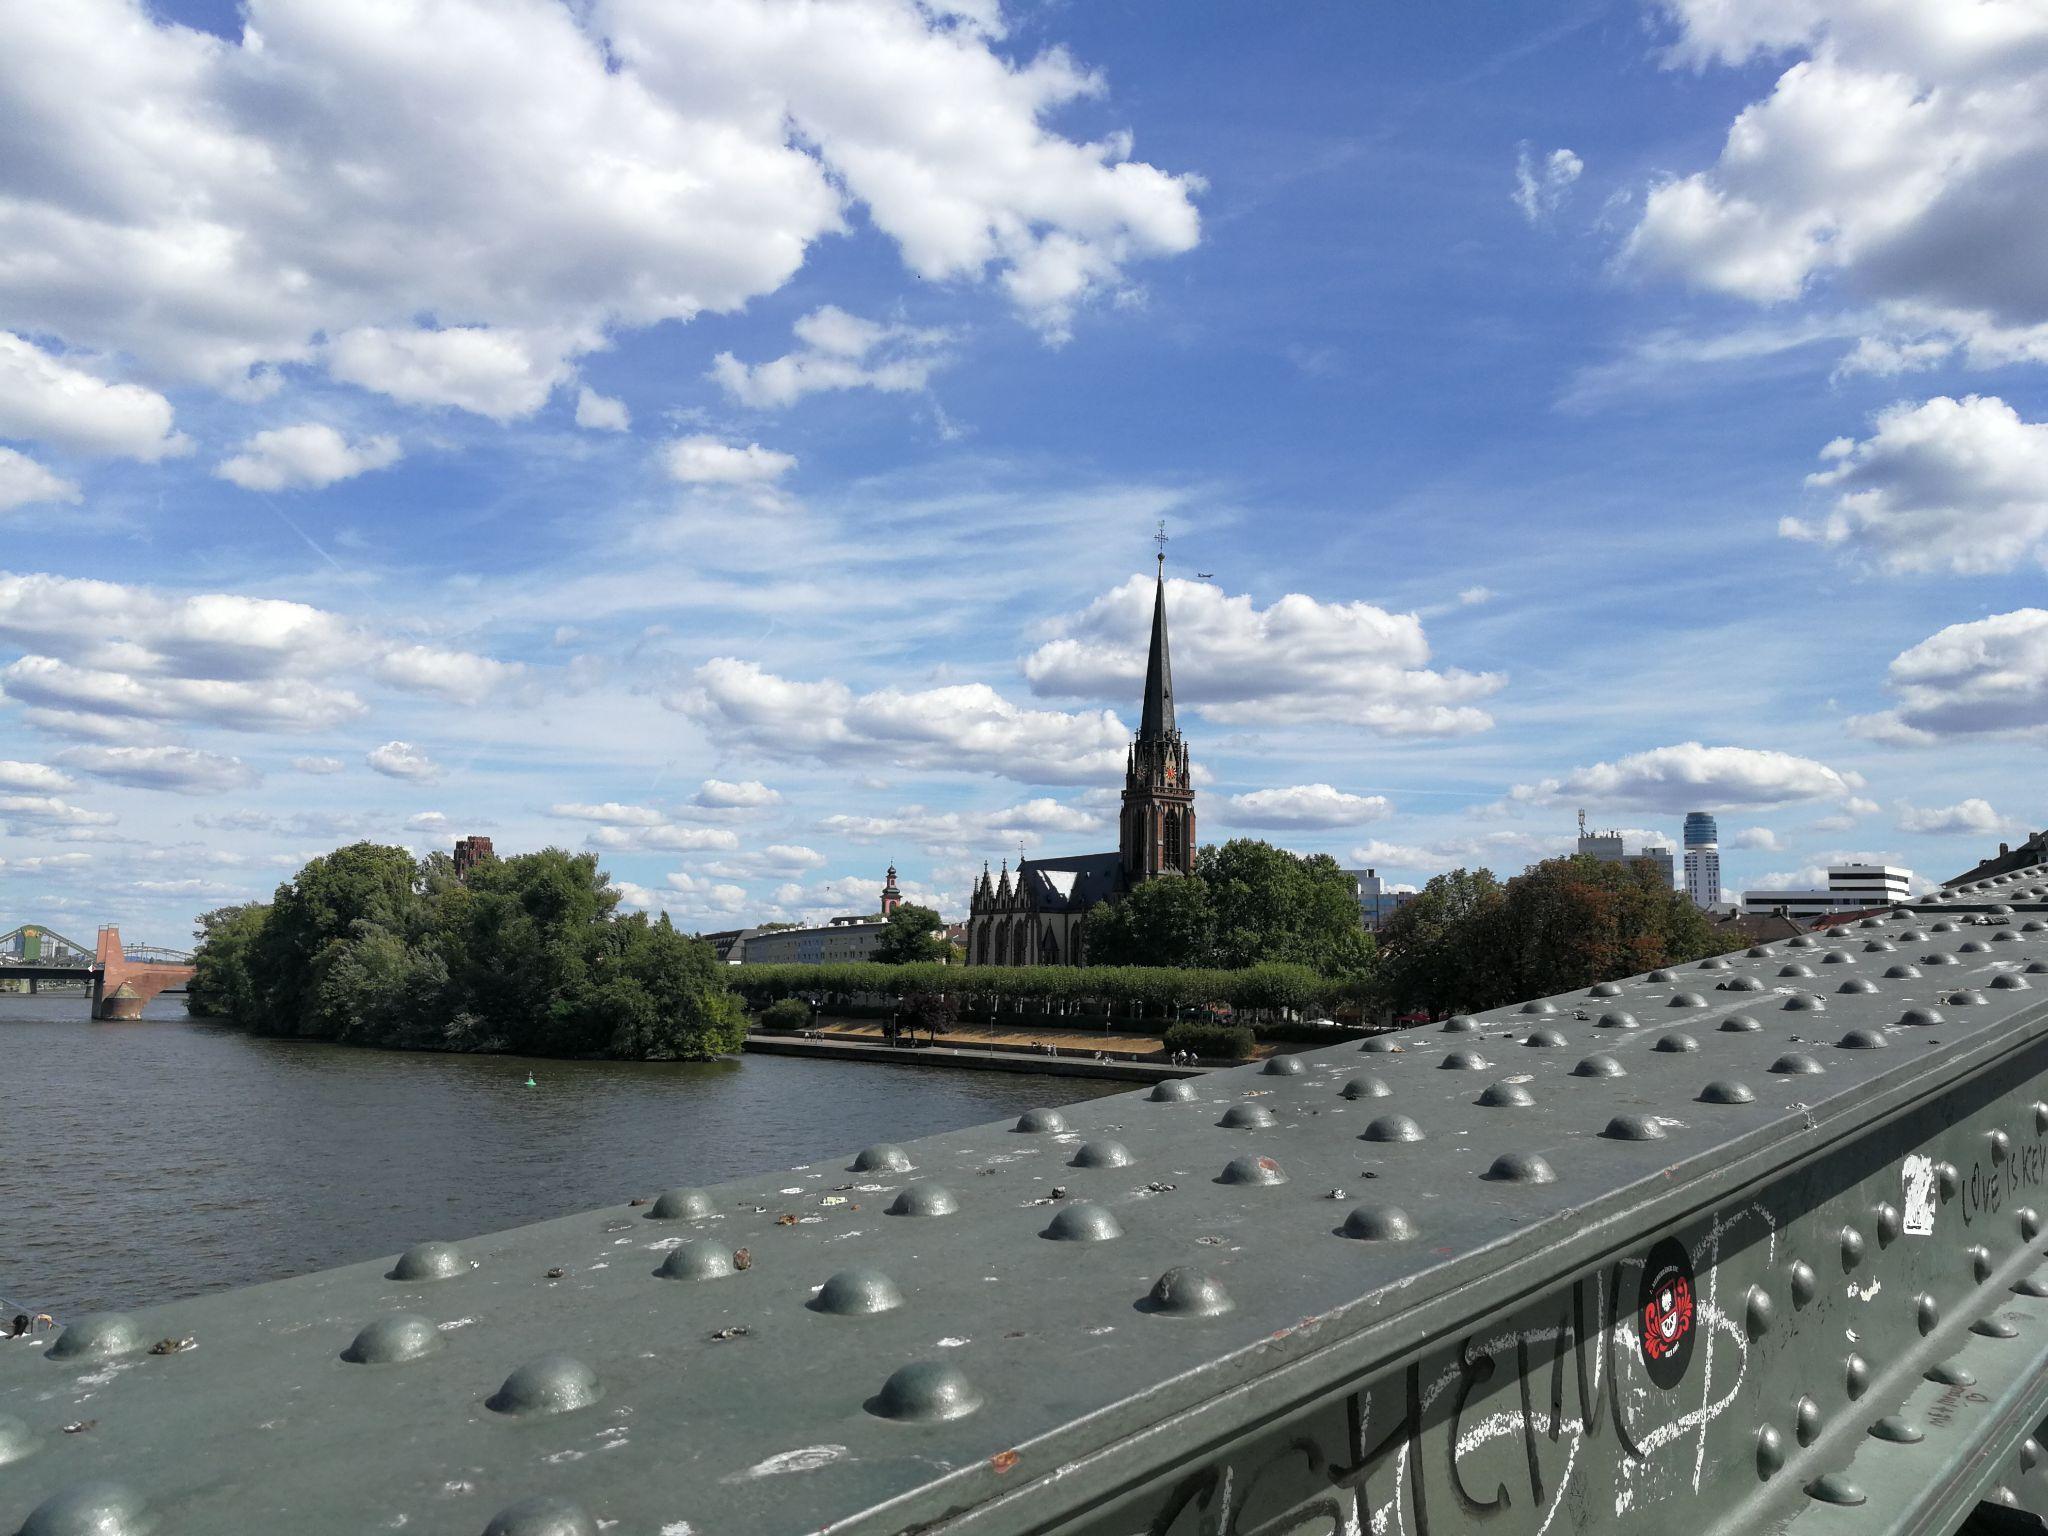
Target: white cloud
(403, 760)
(534, 174)
(49, 400)
(25, 483)
(788, 856)
(1972, 815)
(1690, 776)
(459, 675)
(969, 726)
(1471, 597)
(305, 458)
(37, 777)
(612, 813)
(1758, 839)
(1305, 805)
(840, 351)
(1903, 156)
(666, 839)
(1947, 485)
(318, 765)
(601, 413)
(726, 795)
(1540, 185)
(1029, 822)
(427, 821)
(705, 896)
(703, 460)
(1983, 677)
(259, 704)
(49, 811)
(1297, 661)
(183, 770)
(638, 897)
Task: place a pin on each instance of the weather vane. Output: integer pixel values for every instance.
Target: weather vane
(1159, 538)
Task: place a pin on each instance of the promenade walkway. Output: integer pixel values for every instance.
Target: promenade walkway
(833, 1046)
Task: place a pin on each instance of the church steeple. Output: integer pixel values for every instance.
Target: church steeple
(1156, 724)
(1157, 829)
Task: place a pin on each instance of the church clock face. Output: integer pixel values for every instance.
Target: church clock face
(1171, 773)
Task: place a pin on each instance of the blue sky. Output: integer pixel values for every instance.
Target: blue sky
(729, 436)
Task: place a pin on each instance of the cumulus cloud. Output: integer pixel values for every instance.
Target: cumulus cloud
(610, 812)
(25, 483)
(546, 173)
(253, 705)
(1902, 154)
(427, 821)
(37, 777)
(318, 765)
(1983, 677)
(1758, 839)
(728, 795)
(969, 726)
(695, 893)
(403, 760)
(839, 351)
(1946, 485)
(1690, 776)
(49, 811)
(601, 413)
(1973, 816)
(182, 770)
(305, 458)
(1299, 660)
(1305, 805)
(50, 400)
(637, 837)
(963, 831)
(1541, 184)
(459, 675)
(705, 460)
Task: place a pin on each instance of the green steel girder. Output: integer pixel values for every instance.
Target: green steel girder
(1399, 1289)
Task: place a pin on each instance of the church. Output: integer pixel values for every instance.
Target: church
(1032, 916)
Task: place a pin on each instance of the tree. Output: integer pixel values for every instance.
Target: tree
(319, 907)
(1272, 905)
(1167, 921)
(910, 935)
(221, 985)
(1434, 954)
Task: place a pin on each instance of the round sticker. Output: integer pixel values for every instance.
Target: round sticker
(1665, 1312)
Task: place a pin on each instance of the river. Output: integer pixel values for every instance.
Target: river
(148, 1161)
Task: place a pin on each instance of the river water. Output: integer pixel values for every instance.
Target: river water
(148, 1161)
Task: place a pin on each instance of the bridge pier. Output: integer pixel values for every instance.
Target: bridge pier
(121, 988)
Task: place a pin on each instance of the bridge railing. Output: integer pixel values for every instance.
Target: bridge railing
(1755, 1245)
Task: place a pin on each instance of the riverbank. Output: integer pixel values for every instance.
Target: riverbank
(841, 1048)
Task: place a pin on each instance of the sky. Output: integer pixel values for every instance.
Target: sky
(729, 437)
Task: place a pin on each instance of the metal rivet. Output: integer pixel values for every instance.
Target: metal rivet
(883, 1157)
(1675, 1041)
(1392, 1128)
(1634, 1128)
(1603, 989)
(551, 1384)
(681, 1205)
(1806, 1420)
(1172, 1091)
(857, 1293)
(1246, 1117)
(1740, 1024)
(1886, 1218)
(1042, 1122)
(1539, 1007)
(1940, 957)
(16, 1439)
(1897, 1430)
(2030, 1223)
(1662, 973)
(1520, 1168)
(1599, 1066)
(1544, 1039)
(1969, 997)
(1901, 972)
(924, 1198)
(1838, 957)
(700, 1260)
(1185, 1292)
(1980, 1262)
(1283, 1066)
(1717, 963)
(1835, 1488)
(1856, 984)
(1379, 1224)
(1723, 1091)
(1803, 1002)
(1795, 970)
(925, 1392)
(2030, 1454)
(1800, 1275)
(1974, 947)
(1460, 1024)
(2000, 1144)
(1740, 984)
(1950, 1181)
(429, 1261)
(1759, 1312)
(1251, 1170)
(2040, 1119)
(1507, 1096)
(543, 1515)
(1686, 1000)
(1856, 1375)
(1804, 941)
(1880, 947)
(1465, 1061)
(1797, 1063)
(1616, 1020)
(1084, 1222)
(1760, 952)
(1994, 1328)
(1365, 1088)
(1380, 1045)
(389, 1340)
(1949, 1374)
(97, 1336)
(1101, 1154)
(2006, 981)
(1927, 1314)
(1863, 1040)
(1770, 1451)
(89, 1509)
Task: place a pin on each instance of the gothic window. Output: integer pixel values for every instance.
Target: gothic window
(1020, 951)
(981, 943)
(1002, 941)
(1048, 947)
(1170, 854)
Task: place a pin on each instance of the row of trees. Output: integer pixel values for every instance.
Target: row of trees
(1104, 989)
(527, 954)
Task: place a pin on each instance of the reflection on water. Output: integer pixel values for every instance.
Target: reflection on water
(142, 1162)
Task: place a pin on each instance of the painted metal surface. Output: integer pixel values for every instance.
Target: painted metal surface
(1751, 1246)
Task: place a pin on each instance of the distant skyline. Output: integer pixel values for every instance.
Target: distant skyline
(728, 437)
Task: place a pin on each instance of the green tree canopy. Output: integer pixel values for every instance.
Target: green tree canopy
(912, 934)
(1167, 921)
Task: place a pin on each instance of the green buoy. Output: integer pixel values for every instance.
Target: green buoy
(530, 1082)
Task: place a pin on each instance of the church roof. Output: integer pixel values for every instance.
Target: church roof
(1071, 884)
(1157, 721)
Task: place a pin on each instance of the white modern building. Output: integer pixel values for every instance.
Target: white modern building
(1850, 888)
(1607, 848)
(1376, 903)
(1702, 860)
(840, 941)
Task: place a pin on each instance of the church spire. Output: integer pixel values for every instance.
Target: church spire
(1157, 722)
